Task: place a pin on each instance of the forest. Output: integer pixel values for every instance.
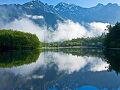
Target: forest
(112, 38)
(14, 40)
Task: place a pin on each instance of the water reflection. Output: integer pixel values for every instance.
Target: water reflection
(113, 59)
(16, 58)
(64, 70)
(70, 63)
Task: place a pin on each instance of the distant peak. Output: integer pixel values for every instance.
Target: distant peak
(34, 2)
(62, 3)
(99, 5)
(108, 5)
(112, 4)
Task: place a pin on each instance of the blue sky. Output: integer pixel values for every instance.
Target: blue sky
(83, 3)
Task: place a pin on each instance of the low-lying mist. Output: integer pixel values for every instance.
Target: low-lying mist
(66, 30)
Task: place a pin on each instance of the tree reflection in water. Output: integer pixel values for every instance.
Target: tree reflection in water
(17, 58)
(112, 57)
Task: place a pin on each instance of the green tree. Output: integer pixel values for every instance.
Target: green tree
(112, 39)
(13, 40)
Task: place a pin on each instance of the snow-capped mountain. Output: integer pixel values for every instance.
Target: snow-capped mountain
(102, 13)
(30, 9)
(44, 14)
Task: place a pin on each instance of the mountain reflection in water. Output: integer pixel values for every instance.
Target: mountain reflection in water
(77, 69)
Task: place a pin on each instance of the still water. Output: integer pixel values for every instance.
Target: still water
(68, 69)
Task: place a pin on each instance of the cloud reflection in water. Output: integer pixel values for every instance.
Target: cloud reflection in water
(64, 62)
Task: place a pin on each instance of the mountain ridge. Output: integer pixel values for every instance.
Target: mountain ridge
(60, 12)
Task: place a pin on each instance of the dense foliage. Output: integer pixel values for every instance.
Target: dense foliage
(89, 42)
(10, 39)
(112, 39)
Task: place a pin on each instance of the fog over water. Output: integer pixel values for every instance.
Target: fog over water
(66, 30)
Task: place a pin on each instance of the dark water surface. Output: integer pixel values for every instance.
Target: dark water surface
(67, 69)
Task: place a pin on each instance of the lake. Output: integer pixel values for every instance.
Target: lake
(64, 69)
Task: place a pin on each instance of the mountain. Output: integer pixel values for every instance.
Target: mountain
(100, 13)
(30, 10)
(44, 14)
(71, 11)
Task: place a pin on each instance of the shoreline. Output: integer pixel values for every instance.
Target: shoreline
(85, 47)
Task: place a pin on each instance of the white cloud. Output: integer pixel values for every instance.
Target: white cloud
(69, 30)
(26, 25)
(97, 28)
(66, 30)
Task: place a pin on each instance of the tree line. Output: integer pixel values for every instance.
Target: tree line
(89, 42)
(112, 39)
(10, 39)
